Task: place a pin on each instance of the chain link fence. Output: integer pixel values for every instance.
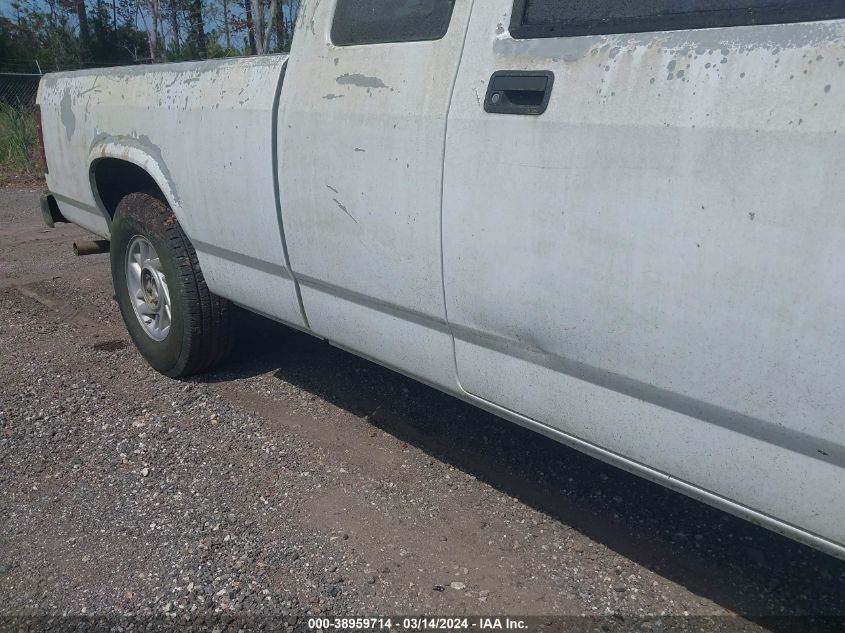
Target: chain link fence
(18, 90)
(19, 164)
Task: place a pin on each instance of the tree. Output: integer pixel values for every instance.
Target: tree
(197, 28)
(263, 25)
(250, 26)
(112, 32)
(84, 33)
(114, 42)
(47, 36)
(226, 31)
(153, 13)
(285, 21)
(174, 26)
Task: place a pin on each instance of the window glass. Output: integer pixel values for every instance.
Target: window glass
(556, 18)
(378, 21)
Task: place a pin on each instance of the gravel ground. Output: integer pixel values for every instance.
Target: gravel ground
(301, 480)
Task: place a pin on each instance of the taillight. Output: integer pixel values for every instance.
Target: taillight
(40, 138)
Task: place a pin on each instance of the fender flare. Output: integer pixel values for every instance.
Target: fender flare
(141, 152)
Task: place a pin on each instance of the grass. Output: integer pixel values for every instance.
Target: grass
(19, 160)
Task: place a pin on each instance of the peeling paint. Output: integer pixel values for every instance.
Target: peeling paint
(361, 81)
(141, 142)
(727, 41)
(566, 49)
(67, 116)
(180, 71)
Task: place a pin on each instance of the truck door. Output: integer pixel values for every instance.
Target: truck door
(361, 139)
(643, 228)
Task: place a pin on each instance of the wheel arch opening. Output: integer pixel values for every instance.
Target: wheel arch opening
(113, 179)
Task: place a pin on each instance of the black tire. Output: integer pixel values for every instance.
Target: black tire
(200, 335)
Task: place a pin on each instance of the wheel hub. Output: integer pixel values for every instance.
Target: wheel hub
(149, 284)
(147, 287)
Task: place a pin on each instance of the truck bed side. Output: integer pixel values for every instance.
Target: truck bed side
(203, 131)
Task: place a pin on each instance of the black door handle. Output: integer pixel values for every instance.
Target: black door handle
(519, 92)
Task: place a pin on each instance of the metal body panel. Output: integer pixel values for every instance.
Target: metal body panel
(203, 131)
(654, 265)
(796, 532)
(362, 132)
(420, 348)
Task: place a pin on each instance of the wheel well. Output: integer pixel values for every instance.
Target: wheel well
(114, 178)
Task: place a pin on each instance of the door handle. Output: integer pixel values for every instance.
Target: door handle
(519, 92)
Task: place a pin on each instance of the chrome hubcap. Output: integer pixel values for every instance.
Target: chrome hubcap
(147, 288)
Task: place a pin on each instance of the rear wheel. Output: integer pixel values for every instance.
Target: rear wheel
(176, 323)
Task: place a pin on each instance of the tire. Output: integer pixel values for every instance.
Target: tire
(176, 323)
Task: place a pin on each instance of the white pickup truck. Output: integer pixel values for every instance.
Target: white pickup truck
(618, 223)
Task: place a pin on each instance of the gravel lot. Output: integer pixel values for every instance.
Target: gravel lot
(301, 480)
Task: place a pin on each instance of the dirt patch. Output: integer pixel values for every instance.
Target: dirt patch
(18, 179)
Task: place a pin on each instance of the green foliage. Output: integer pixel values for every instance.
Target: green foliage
(53, 39)
(71, 34)
(18, 140)
(215, 48)
(111, 46)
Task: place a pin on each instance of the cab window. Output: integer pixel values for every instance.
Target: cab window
(556, 18)
(380, 21)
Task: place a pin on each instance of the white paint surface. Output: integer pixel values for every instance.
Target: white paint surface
(670, 229)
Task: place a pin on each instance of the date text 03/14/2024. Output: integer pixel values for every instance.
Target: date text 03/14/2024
(417, 624)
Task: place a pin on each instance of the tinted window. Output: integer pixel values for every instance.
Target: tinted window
(377, 21)
(556, 18)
